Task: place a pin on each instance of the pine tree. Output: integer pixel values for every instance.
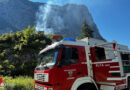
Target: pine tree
(86, 31)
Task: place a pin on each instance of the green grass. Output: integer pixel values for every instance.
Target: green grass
(19, 83)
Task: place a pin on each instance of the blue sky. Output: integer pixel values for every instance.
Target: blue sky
(112, 17)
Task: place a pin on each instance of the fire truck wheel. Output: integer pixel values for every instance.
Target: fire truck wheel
(87, 87)
(128, 87)
(128, 83)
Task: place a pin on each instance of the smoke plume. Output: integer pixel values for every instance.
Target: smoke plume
(44, 15)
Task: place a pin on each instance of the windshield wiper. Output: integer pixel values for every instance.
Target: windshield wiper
(46, 67)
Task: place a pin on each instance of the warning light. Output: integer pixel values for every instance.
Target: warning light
(57, 37)
(69, 39)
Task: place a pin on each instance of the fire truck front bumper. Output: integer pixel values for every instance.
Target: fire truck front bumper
(45, 87)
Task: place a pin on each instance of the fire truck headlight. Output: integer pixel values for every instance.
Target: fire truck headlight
(40, 87)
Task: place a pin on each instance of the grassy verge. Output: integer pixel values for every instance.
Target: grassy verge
(19, 83)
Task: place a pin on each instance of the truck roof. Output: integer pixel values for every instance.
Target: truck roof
(86, 42)
(105, 44)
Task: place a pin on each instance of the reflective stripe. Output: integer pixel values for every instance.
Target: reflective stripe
(114, 71)
(114, 67)
(106, 62)
(115, 79)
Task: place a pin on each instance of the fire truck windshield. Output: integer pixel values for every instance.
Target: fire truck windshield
(48, 59)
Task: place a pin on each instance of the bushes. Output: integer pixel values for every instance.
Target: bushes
(19, 83)
(21, 50)
(6, 68)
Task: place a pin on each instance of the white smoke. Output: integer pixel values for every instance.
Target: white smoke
(45, 12)
(42, 16)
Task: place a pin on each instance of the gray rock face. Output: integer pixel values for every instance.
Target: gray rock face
(67, 20)
(17, 14)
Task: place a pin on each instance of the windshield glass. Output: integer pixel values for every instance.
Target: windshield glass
(48, 58)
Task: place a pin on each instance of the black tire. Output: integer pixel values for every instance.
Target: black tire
(86, 89)
(128, 88)
(128, 83)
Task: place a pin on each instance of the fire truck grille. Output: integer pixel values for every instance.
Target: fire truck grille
(37, 87)
(41, 77)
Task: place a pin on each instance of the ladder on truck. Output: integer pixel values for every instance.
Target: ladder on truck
(121, 52)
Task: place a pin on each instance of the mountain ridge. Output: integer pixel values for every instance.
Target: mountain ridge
(18, 14)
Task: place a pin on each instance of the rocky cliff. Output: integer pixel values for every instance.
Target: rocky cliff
(18, 14)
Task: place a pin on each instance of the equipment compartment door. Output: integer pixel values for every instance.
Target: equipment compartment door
(104, 70)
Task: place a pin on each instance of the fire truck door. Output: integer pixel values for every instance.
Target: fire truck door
(69, 68)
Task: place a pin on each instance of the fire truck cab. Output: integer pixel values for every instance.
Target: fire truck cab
(87, 64)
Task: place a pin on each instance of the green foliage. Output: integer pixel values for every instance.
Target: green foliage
(16, 56)
(19, 83)
(86, 31)
(18, 51)
(6, 68)
(2, 54)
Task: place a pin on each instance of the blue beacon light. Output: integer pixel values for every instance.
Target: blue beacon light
(69, 39)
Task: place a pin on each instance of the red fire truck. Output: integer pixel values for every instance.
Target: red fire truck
(87, 64)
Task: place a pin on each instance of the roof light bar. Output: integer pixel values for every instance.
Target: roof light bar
(69, 39)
